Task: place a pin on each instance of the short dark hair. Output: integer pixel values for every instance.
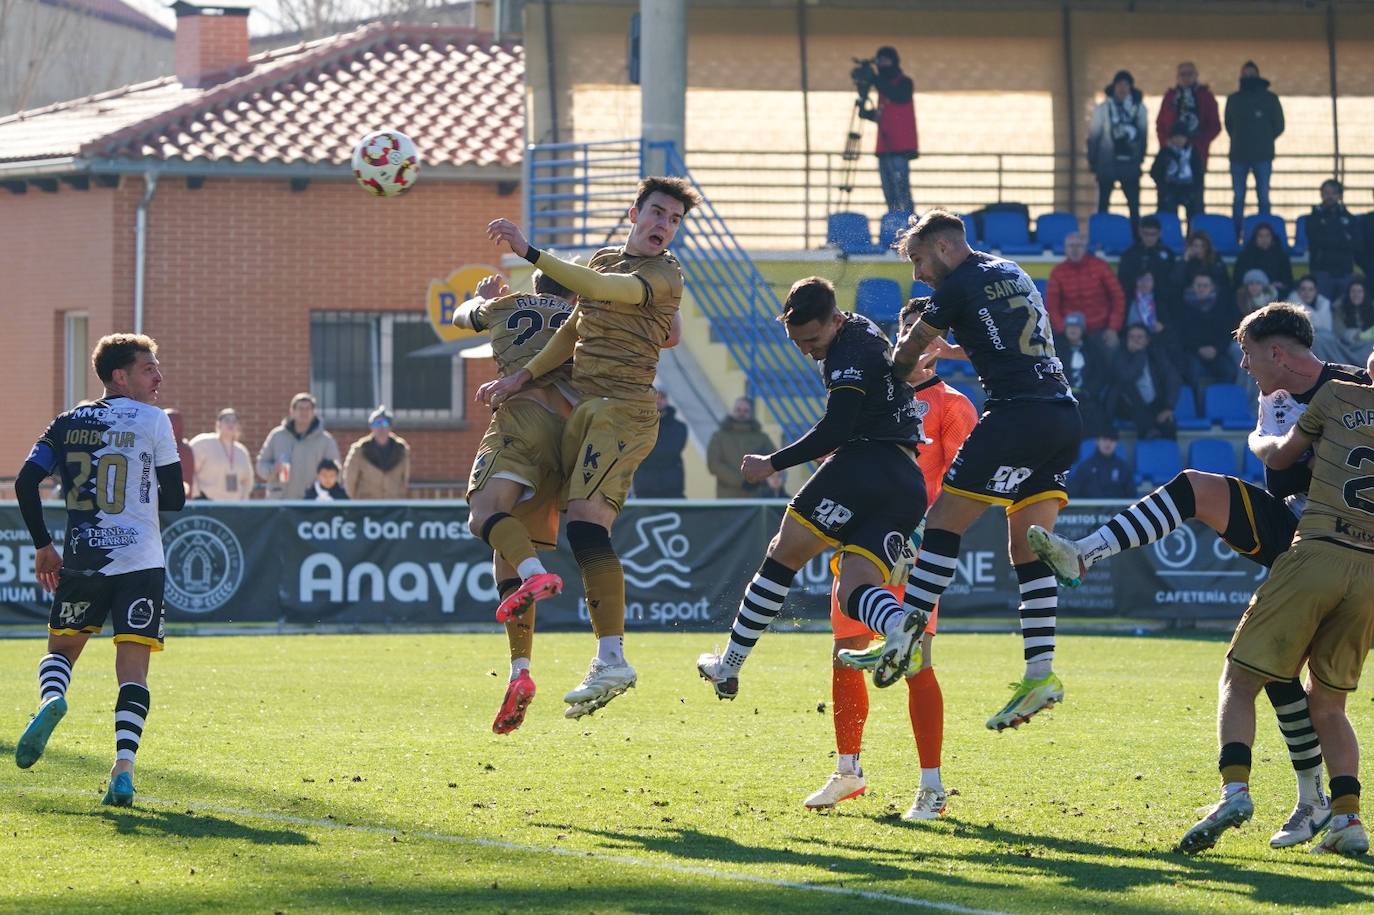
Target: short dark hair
(118, 351)
(1340, 188)
(1150, 222)
(1277, 319)
(929, 224)
(810, 299)
(680, 189)
(547, 285)
(326, 464)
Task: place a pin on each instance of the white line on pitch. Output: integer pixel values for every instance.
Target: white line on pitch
(692, 869)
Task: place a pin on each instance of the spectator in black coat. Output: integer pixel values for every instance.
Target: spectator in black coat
(1200, 257)
(327, 487)
(1103, 474)
(1262, 251)
(1355, 312)
(1334, 241)
(1178, 174)
(1206, 324)
(1147, 255)
(661, 475)
(1086, 365)
(1254, 119)
(1145, 385)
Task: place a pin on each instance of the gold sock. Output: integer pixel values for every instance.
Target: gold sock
(1348, 804)
(603, 578)
(520, 634)
(509, 539)
(1235, 773)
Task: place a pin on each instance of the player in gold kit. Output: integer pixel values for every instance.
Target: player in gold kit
(1317, 604)
(627, 313)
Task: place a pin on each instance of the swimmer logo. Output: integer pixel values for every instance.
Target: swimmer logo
(204, 564)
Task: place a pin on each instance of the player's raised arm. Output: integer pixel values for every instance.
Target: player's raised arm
(472, 314)
(914, 341)
(624, 288)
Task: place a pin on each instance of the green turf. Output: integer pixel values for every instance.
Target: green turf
(374, 756)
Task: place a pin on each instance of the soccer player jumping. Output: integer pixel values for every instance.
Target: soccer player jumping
(1023, 445)
(865, 500)
(117, 459)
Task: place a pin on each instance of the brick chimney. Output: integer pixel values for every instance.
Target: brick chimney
(211, 43)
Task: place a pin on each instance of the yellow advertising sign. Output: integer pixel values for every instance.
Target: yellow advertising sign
(446, 295)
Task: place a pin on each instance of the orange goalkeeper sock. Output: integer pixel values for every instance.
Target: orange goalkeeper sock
(849, 695)
(926, 705)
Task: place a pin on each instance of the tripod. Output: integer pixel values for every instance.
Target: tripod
(851, 148)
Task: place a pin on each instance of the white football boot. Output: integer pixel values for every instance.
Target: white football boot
(602, 683)
(840, 786)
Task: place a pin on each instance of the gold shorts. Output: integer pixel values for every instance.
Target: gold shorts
(603, 444)
(1318, 604)
(523, 444)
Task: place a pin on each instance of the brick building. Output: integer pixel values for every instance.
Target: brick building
(265, 269)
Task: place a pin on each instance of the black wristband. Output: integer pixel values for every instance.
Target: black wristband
(532, 254)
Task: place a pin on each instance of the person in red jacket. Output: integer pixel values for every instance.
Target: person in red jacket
(1192, 105)
(895, 114)
(1085, 283)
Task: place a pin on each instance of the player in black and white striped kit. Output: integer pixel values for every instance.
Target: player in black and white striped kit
(117, 460)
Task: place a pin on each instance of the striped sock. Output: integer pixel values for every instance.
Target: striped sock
(1039, 606)
(933, 572)
(54, 676)
(761, 604)
(1152, 518)
(876, 608)
(131, 710)
(1304, 748)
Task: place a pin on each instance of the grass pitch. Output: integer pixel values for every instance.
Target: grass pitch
(359, 773)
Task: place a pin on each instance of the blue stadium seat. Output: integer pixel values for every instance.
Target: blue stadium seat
(1280, 230)
(1042, 284)
(1008, 233)
(1213, 455)
(887, 231)
(1299, 246)
(1052, 228)
(1170, 231)
(1109, 233)
(1157, 461)
(1227, 404)
(1185, 412)
(1220, 229)
(879, 300)
(849, 232)
(919, 289)
(1085, 450)
(971, 230)
(1253, 468)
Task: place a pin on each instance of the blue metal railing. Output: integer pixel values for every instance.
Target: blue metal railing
(569, 189)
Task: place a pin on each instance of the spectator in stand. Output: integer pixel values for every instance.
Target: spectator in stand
(224, 468)
(1103, 474)
(1155, 314)
(1334, 241)
(326, 486)
(1084, 283)
(300, 442)
(1356, 314)
(378, 464)
(1199, 257)
(1116, 143)
(895, 114)
(739, 434)
(1178, 174)
(1206, 323)
(661, 474)
(1254, 120)
(184, 452)
(1192, 107)
(1262, 251)
(1086, 366)
(777, 487)
(1145, 386)
(1327, 344)
(1255, 291)
(1148, 255)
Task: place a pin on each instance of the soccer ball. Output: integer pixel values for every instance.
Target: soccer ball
(386, 163)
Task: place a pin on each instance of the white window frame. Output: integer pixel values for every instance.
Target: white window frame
(75, 357)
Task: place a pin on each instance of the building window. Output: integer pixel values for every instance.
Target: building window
(359, 359)
(76, 358)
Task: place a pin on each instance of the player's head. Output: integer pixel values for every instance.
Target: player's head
(1273, 339)
(811, 317)
(127, 365)
(935, 244)
(303, 411)
(660, 206)
(925, 363)
(547, 285)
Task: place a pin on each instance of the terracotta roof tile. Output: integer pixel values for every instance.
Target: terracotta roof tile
(458, 95)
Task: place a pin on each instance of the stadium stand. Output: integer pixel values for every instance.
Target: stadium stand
(1280, 230)
(879, 300)
(1052, 228)
(1213, 455)
(1227, 405)
(1170, 230)
(1185, 412)
(971, 230)
(1221, 230)
(887, 230)
(1156, 461)
(1009, 233)
(849, 232)
(1109, 233)
(1252, 469)
(1299, 246)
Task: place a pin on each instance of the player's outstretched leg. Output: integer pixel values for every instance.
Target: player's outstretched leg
(876, 608)
(1233, 809)
(603, 579)
(1313, 809)
(54, 676)
(131, 713)
(520, 688)
(1039, 688)
(762, 602)
(1345, 835)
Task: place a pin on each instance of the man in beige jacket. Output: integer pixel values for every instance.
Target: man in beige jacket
(378, 464)
(223, 466)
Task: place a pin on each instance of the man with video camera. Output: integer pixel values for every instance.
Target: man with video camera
(895, 115)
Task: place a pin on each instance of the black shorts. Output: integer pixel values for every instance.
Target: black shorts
(134, 599)
(1018, 454)
(868, 498)
(1261, 525)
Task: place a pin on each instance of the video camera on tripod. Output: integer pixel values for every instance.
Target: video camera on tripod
(865, 76)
